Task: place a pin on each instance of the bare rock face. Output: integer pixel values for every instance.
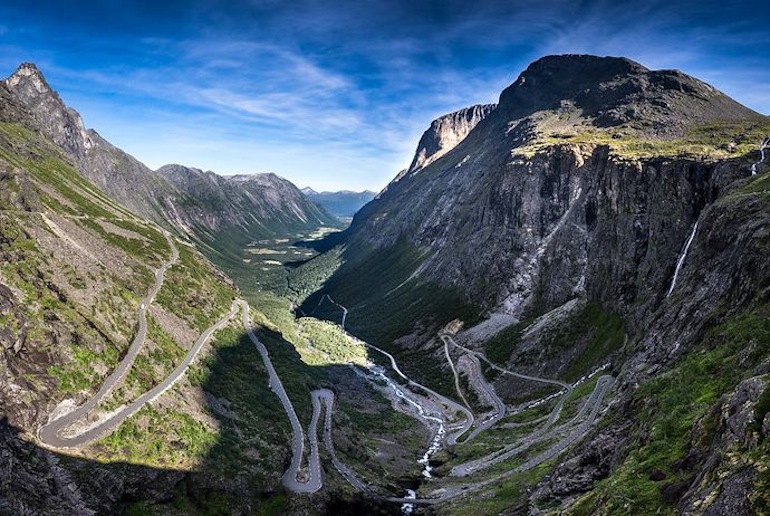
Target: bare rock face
(445, 133)
(610, 91)
(729, 495)
(523, 220)
(264, 202)
(571, 217)
(63, 125)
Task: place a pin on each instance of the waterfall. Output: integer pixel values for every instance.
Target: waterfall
(762, 148)
(680, 261)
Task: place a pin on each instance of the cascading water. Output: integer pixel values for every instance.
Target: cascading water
(435, 443)
(408, 508)
(762, 148)
(680, 261)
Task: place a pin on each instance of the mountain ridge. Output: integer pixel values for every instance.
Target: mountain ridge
(172, 204)
(583, 186)
(598, 240)
(342, 204)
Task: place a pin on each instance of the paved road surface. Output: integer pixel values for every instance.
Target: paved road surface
(456, 376)
(50, 434)
(289, 478)
(499, 406)
(540, 435)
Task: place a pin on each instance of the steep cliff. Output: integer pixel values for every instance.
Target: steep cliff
(445, 133)
(531, 176)
(608, 216)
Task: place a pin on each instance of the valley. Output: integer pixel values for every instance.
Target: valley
(559, 307)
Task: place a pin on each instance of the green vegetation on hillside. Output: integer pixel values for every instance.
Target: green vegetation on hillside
(384, 300)
(195, 291)
(712, 141)
(588, 338)
(679, 411)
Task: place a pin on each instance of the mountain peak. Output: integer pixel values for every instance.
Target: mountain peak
(552, 79)
(446, 132)
(63, 125)
(612, 91)
(28, 77)
(580, 66)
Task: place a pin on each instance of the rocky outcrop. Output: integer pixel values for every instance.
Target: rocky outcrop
(62, 125)
(445, 133)
(729, 494)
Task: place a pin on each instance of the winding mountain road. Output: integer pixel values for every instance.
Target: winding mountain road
(456, 376)
(499, 405)
(53, 435)
(50, 434)
(567, 388)
(451, 404)
(290, 477)
(494, 366)
(541, 434)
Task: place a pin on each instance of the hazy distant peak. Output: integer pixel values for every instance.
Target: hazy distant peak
(343, 204)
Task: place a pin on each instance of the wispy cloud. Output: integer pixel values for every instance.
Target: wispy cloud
(343, 89)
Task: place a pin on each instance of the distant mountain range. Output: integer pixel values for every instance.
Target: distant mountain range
(221, 213)
(343, 204)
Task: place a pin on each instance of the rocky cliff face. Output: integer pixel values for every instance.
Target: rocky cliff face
(445, 133)
(586, 182)
(264, 202)
(63, 125)
(499, 191)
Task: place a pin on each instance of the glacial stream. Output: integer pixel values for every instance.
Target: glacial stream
(762, 147)
(435, 444)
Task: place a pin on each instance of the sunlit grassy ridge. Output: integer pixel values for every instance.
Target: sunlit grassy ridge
(713, 141)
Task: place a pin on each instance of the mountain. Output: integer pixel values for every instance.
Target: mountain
(225, 213)
(498, 190)
(221, 214)
(446, 132)
(603, 215)
(562, 307)
(132, 378)
(75, 272)
(342, 204)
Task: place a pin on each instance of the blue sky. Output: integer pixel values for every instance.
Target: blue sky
(334, 94)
